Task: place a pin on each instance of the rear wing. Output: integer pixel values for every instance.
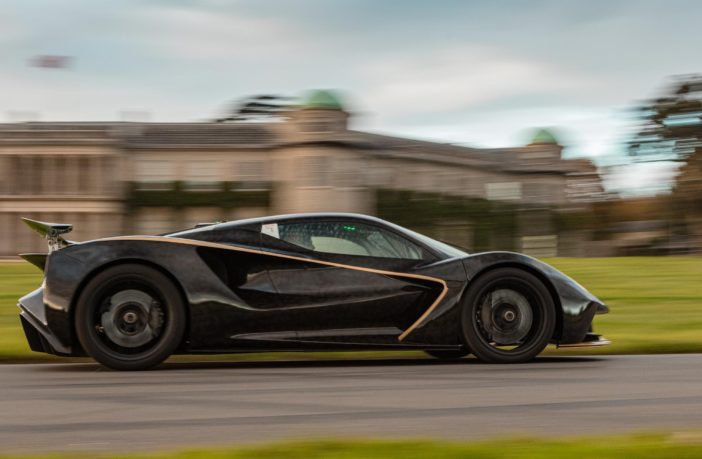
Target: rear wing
(52, 233)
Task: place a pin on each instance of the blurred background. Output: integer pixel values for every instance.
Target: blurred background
(558, 128)
(555, 128)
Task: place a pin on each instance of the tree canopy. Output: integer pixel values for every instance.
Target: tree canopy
(258, 108)
(671, 125)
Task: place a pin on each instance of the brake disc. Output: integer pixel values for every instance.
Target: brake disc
(133, 318)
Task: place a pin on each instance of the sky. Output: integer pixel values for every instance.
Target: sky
(480, 73)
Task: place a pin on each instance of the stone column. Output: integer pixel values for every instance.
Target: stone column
(5, 174)
(50, 179)
(39, 175)
(71, 174)
(97, 167)
(21, 179)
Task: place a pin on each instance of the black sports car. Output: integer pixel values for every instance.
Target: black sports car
(296, 282)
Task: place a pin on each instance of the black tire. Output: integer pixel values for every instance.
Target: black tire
(448, 355)
(130, 317)
(508, 316)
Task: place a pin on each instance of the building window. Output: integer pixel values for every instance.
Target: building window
(252, 175)
(201, 176)
(504, 191)
(455, 184)
(315, 170)
(312, 127)
(314, 123)
(382, 176)
(23, 168)
(154, 174)
(154, 220)
(409, 180)
(60, 175)
(85, 175)
(540, 246)
(440, 182)
(541, 193)
(346, 173)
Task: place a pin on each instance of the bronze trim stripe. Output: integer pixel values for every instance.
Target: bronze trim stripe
(410, 329)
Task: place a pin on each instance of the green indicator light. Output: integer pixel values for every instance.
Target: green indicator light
(349, 228)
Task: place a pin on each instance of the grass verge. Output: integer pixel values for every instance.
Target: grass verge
(654, 446)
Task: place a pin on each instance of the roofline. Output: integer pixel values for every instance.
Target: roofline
(300, 215)
(281, 217)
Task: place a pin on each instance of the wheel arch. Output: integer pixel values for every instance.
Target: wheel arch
(536, 273)
(125, 261)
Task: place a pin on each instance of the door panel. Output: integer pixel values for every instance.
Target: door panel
(319, 297)
(347, 300)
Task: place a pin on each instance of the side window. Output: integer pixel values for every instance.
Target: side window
(346, 238)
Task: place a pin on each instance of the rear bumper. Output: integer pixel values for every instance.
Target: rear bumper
(34, 324)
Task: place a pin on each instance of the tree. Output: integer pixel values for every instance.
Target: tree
(258, 108)
(671, 125)
(671, 130)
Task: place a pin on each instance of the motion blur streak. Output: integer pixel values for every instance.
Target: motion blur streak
(194, 404)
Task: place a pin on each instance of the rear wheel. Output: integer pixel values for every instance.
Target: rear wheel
(130, 317)
(508, 316)
(448, 355)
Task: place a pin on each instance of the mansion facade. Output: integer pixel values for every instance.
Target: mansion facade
(150, 178)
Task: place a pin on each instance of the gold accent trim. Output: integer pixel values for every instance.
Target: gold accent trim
(410, 329)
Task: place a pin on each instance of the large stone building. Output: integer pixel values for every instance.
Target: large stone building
(149, 178)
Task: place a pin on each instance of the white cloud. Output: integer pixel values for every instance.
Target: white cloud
(459, 79)
(214, 34)
(63, 95)
(10, 30)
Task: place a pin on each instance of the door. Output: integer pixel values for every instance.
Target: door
(339, 283)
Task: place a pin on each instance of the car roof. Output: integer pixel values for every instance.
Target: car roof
(278, 218)
(301, 216)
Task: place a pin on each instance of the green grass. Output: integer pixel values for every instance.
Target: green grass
(16, 279)
(656, 307)
(655, 302)
(681, 445)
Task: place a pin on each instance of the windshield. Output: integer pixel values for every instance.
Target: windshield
(446, 249)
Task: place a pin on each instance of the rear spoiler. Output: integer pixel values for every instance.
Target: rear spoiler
(52, 233)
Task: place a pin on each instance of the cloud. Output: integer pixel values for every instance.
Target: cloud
(64, 95)
(11, 30)
(460, 79)
(215, 34)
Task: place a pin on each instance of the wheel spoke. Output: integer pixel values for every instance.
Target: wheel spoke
(505, 318)
(131, 318)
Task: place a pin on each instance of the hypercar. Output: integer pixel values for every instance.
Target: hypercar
(324, 281)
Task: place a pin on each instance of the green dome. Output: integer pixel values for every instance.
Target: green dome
(544, 136)
(322, 99)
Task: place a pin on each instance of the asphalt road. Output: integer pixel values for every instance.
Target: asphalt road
(83, 407)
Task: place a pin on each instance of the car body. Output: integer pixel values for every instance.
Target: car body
(326, 281)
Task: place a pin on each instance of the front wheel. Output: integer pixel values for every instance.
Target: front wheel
(508, 316)
(130, 317)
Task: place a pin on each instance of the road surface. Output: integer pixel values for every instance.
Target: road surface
(84, 407)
